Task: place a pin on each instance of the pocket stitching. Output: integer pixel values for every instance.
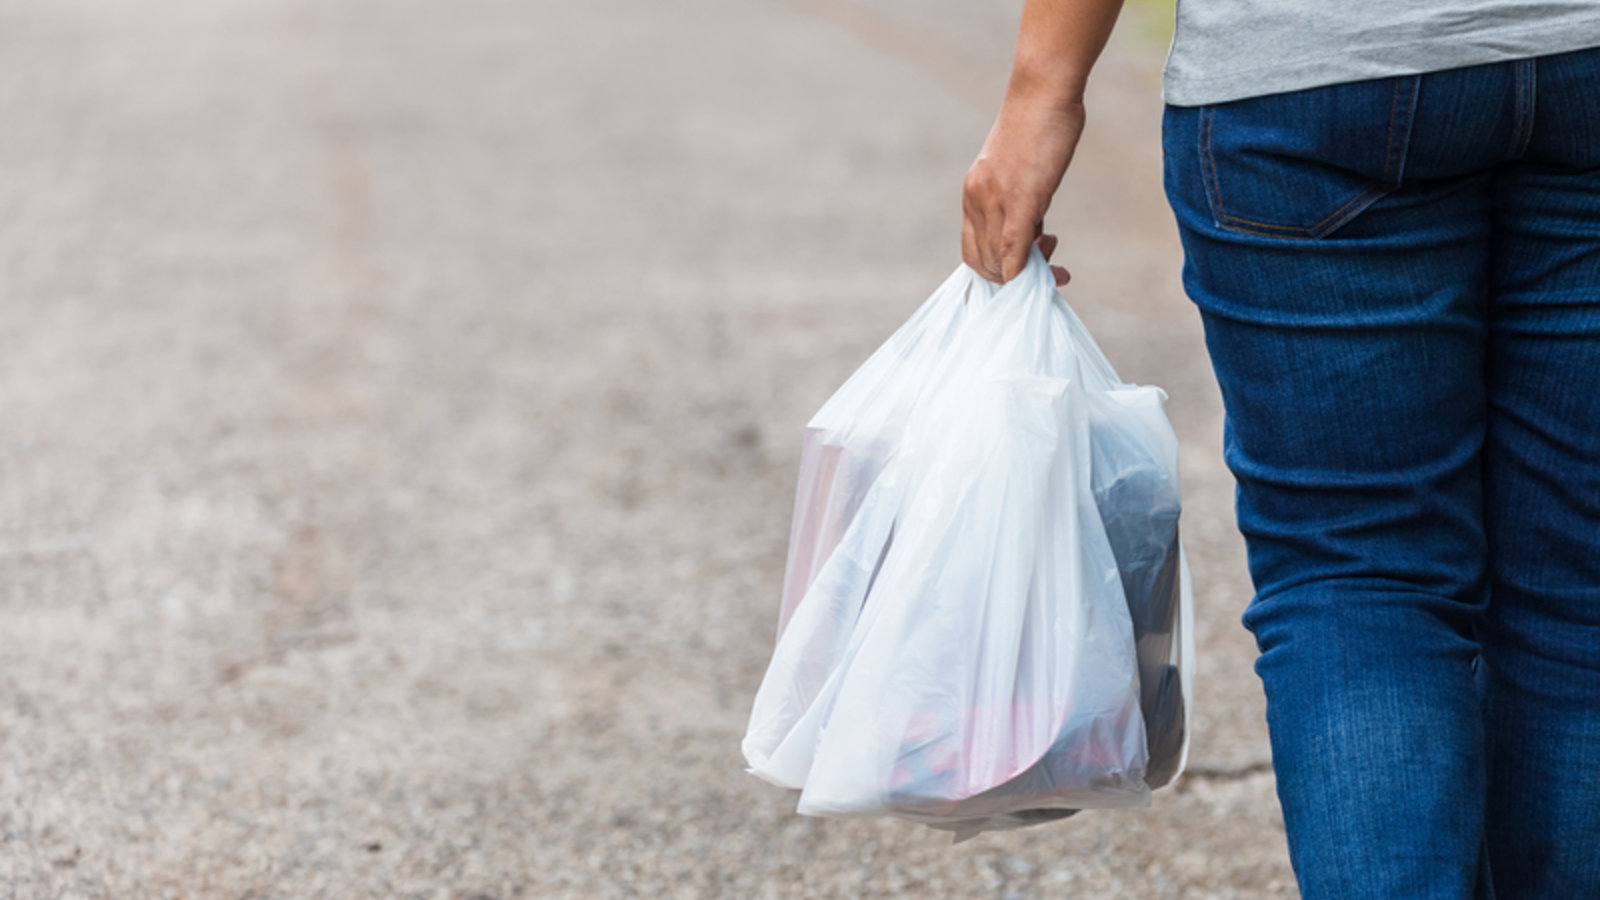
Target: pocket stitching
(1298, 232)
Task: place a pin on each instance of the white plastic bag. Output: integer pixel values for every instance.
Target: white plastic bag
(957, 642)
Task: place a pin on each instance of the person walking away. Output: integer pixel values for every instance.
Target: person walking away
(1390, 215)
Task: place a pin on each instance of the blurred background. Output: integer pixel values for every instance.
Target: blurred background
(400, 406)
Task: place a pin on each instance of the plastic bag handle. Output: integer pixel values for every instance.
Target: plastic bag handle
(1035, 274)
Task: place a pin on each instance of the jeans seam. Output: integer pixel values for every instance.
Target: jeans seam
(1208, 162)
(1400, 119)
(1522, 127)
(1388, 145)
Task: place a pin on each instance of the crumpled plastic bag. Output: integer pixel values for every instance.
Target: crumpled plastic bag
(986, 616)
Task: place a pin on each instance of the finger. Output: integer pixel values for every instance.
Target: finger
(978, 225)
(1062, 275)
(1047, 244)
(990, 235)
(978, 220)
(969, 245)
(1014, 251)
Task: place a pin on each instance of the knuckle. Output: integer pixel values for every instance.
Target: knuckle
(985, 181)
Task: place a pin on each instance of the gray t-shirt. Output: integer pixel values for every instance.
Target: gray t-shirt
(1229, 49)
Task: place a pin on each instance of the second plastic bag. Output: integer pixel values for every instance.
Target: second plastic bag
(984, 614)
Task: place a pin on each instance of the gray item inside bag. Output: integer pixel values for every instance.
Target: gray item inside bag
(1139, 505)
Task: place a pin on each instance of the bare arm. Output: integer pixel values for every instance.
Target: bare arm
(1009, 186)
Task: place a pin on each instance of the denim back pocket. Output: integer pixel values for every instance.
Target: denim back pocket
(1302, 163)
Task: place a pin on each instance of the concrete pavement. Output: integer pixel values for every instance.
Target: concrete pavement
(401, 409)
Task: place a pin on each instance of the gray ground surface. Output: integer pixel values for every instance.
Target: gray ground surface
(401, 406)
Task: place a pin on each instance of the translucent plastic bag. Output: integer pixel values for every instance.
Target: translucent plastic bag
(985, 619)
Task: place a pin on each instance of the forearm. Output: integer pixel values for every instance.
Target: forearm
(1057, 44)
(1010, 184)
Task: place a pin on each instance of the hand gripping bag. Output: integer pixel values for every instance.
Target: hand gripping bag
(986, 615)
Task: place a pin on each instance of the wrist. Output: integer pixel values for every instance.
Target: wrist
(1047, 82)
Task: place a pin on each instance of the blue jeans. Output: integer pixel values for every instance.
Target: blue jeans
(1400, 284)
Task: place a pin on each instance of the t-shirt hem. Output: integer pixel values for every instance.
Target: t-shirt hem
(1409, 58)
